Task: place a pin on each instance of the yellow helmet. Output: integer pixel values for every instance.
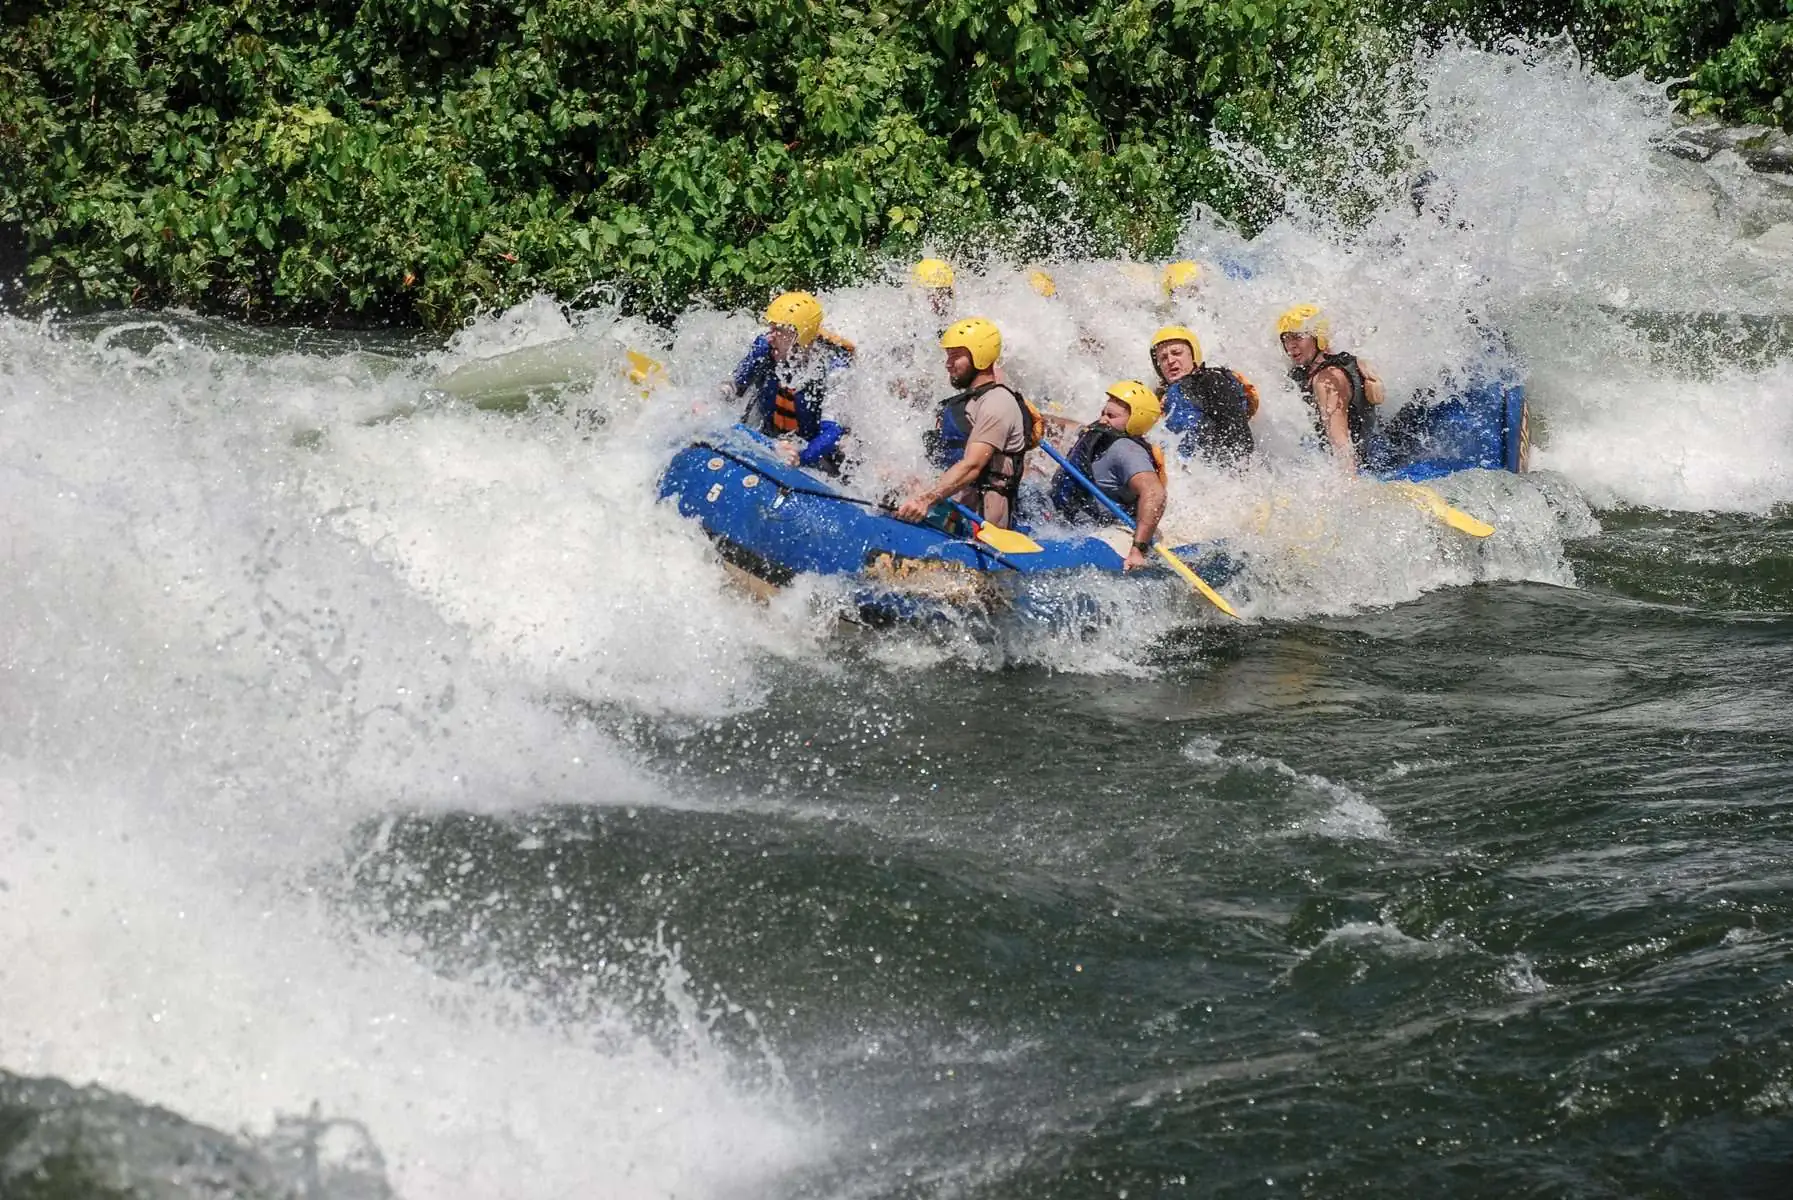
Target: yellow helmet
(977, 335)
(1042, 283)
(933, 273)
(801, 311)
(1306, 318)
(1176, 333)
(1180, 275)
(1143, 405)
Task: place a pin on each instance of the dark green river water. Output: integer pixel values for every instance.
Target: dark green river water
(1488, 894)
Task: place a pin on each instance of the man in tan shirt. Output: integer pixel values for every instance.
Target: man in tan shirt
(979, 439)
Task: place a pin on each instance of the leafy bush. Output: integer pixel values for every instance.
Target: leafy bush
(1734, 58)
(1750, 76)
(415, 160)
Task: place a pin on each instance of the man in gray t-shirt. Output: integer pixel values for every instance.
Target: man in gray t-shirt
(1114, 456)
(1116, 467)
(980, 435)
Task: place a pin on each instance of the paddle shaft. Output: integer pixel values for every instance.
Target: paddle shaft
(1184, 569)
(1089, 486)
(965, 512)
(974, 541)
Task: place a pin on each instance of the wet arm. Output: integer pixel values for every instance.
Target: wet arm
(752, 368)
(960, 475)
(828, 436)
(956, 478)
(1334, 398)
(1150, 490)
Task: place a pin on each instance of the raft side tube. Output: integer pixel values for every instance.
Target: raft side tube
(777, 520)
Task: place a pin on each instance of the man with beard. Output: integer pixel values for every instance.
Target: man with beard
(981, 434)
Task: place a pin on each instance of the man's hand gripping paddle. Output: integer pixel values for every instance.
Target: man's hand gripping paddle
(1176, 564)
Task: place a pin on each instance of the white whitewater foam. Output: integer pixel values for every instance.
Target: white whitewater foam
(209, 681)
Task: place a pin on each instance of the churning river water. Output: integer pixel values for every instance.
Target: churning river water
(368, 753)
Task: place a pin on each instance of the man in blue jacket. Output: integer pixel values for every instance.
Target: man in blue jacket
(785, 379)
(1209, 408)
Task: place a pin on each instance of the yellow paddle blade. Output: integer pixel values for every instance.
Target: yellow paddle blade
(1006, 541)
(644, 372)
(1195, 581)
(1432, 502)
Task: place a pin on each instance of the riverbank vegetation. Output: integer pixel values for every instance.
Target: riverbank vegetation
(415, 161)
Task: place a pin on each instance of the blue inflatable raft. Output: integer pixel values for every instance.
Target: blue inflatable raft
(1484, 427)
(774, 522)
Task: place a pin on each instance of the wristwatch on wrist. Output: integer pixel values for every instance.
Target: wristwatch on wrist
(1142, 547)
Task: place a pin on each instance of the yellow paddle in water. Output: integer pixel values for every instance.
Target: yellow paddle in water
(1430, 501)
(644, 372)
(1176, 564)
(1195, 581)
(1003, 541)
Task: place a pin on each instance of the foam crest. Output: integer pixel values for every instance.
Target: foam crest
(551, 551)
(1350, 817)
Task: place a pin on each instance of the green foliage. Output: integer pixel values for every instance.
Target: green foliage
(1734, 57)
(1750, 76)
(417, 160)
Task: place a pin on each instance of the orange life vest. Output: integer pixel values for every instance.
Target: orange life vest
(784, 411)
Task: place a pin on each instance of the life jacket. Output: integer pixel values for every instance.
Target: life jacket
(946, 442)
(1211, 408)
(783, 416)
(1366, 391)
(1072, 499)
(1251, 395)
(797, 411)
